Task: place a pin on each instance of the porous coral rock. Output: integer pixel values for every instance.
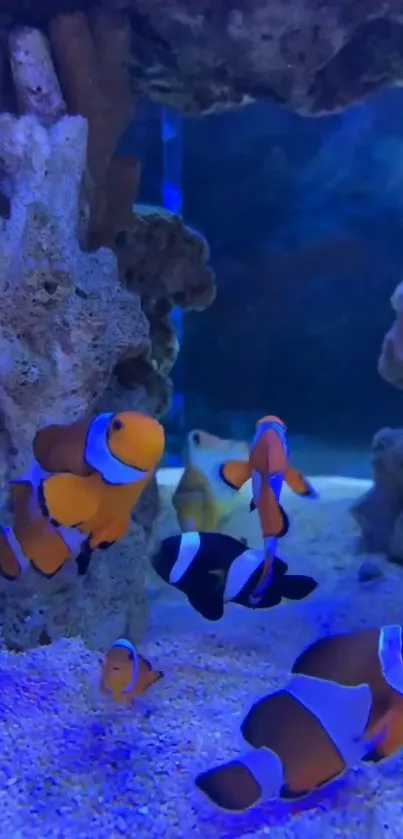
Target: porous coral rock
(390, 364)
(379, 512)
(200, 55)
(65, 318)
(36, 85)
(167, 263)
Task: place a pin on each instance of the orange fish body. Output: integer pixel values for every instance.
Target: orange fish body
(268, 467)
(125, 674)
(85, 481)
(34, 539)
(344, 703)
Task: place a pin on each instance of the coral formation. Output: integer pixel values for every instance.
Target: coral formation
(379, 512)
(198, 57)
(390, 364)
(68, 319)
(166, 263)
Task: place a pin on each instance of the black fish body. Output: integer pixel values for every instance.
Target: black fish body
(213, 569)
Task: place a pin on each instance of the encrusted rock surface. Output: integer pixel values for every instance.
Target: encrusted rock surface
(87, 287)
(379, 512)
(167, 264)
(65, 318)
(390, 364)
(313, 55)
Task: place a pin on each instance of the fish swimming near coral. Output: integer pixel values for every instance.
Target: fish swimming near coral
(268, 467)
(80, 491)
(202, 500)
(125, 673)
(213, 569)
(343, 704)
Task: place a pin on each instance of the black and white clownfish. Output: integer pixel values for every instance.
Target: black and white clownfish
(213, 569)
(342, 704)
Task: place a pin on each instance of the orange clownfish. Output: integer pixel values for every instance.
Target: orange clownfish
(126, 674)
(268, 467)
(342, 704)
(79, 493)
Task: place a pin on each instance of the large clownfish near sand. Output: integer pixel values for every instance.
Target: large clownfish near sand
(343, 704)
(213, 569)
(84, 482)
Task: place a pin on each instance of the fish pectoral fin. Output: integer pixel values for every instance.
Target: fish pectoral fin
(209, 605)
(298, 483)
(377, 734)
(110, 533)
(69, 499)
(235, 473)
(219, 575)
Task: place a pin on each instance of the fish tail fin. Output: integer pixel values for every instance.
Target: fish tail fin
(297, 586)
(290, 586)
(230, 787)
(235, 473)
(298, 483)
(236, 786)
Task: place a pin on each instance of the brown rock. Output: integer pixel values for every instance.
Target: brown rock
(379, 512)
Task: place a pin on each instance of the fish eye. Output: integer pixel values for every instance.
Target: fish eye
(196, 438)
(117, 425)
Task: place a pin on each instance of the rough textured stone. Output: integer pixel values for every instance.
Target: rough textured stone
(390, 364)
(65, 319)
(379, 512)
(167, 264)
(314, 55)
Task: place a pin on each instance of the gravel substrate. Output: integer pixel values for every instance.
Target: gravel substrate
(77, 767)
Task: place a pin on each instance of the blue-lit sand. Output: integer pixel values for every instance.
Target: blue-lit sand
(74, 767)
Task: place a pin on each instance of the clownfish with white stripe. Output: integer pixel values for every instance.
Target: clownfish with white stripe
(268, 467)
(125, 673)
(342, 704)
(213, 569)
(80, 491)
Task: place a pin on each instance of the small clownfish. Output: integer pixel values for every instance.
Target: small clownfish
(202, 500)
(342, 704)
(125, 673)
(268, 467)
(213, 569)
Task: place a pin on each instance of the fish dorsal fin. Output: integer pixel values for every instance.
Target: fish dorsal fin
(60, 448)
(390, 656)
(342, 710)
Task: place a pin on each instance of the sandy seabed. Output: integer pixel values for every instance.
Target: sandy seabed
(75, 767)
